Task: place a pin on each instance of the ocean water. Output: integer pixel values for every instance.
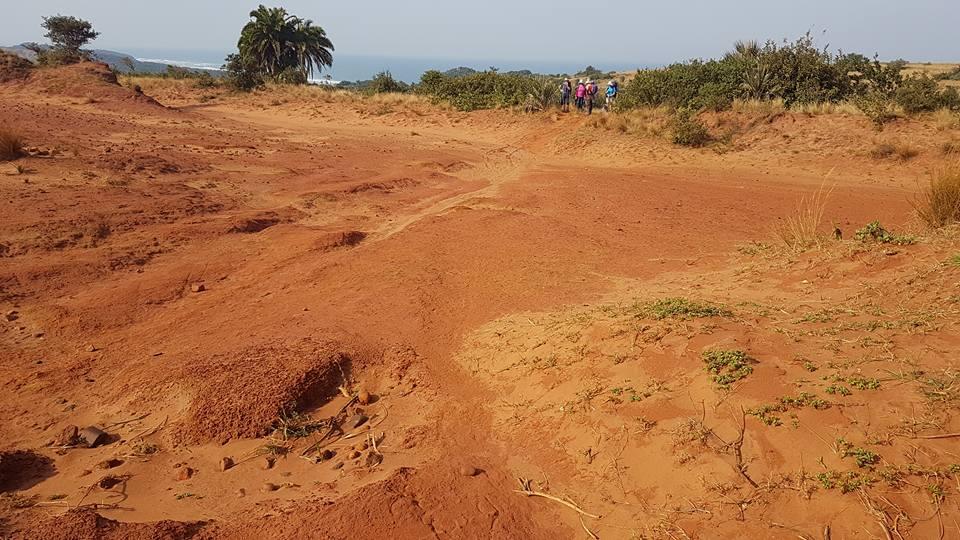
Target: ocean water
(357, 67)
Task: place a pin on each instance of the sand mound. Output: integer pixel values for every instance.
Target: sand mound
(13, 68)
(259, 383)
(93, 81)
(83, 523)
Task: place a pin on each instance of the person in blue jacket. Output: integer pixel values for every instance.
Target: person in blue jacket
(612, 90)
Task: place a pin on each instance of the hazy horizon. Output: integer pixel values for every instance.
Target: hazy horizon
(634, 33)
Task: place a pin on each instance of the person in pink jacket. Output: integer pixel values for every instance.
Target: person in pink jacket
(581, 94)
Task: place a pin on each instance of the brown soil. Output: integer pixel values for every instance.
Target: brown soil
(220, 276)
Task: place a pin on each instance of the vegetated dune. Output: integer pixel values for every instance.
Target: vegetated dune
(302, 313)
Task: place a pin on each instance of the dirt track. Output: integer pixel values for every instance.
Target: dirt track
(473, 272)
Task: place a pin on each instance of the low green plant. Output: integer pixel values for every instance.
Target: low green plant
(847, 482)
(863, 383)
(875, 232)
(688, 130)
(954, 261)
(728, 366)
(838, 389)
(681, 308)
(863, 457)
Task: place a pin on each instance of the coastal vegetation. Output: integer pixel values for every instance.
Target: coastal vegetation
(277, 46)
(67, 37)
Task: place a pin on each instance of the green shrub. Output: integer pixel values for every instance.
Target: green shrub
(484, 90)
(242, 75)
(688, 130)
(877, 107)
(384, 82)
(205, 80)
(917, 94)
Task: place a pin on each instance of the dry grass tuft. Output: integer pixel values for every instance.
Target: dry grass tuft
(944, 119)
(801, 231)
(11, 144)
(951, 147)
(902, 151)
(756, 106)
(817, 109)
(938, 204)
(644, 121)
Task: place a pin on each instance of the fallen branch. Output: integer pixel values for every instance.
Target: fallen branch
(941, 436)
(527, 490)
(590, 533)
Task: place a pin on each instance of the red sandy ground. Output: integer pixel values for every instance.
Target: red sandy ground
(477, 273)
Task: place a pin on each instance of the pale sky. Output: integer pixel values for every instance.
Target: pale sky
(585, 31)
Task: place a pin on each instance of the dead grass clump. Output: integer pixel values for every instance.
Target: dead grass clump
(802, 230)
(950, 148)
(902, 151)
(825, 108)
(944, 119)
(11, 144)
(757, 106)
(644, 121)
(938, 204)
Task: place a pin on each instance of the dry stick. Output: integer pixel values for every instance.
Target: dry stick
(589, 532)
(826, 532)
(738, 449)
(333, 426)
(941, 436)
(149, 432)
(525, 484)
(125, 422)
(798, 532)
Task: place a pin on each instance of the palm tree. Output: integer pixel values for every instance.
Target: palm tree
(276, 41)
(748, 49)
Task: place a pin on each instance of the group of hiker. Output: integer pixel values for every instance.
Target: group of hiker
(585, 93)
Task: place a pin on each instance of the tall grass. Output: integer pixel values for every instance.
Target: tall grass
(11, 144)
(944, 119)
(801, 230)
(938, 204)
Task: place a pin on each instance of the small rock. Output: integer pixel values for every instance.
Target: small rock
(363, 397)
(91, 348)
(68, 437)
(226, 464)
(327, 455)
(267, 463)
(467, 470)
(109, 463)
(85, 472)
(198, 287)
(185, 473)
(241, 493)
(354, 455)
(364, 445)
(268, 487)
(12, 315)
(338, 465)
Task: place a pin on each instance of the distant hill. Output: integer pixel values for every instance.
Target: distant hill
(121, 62)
